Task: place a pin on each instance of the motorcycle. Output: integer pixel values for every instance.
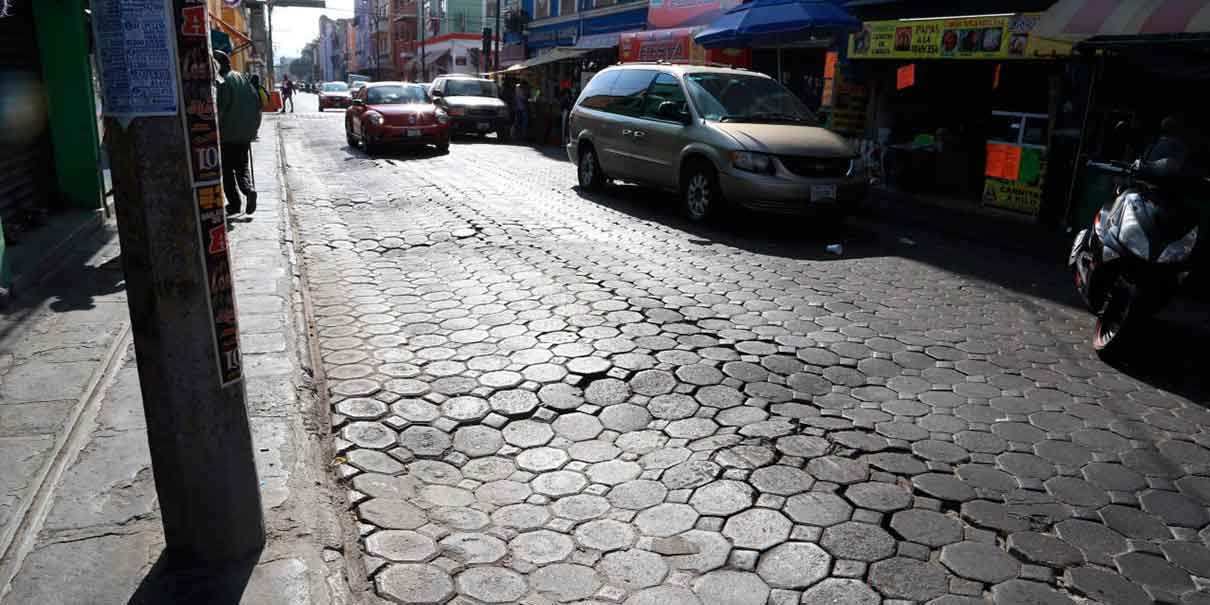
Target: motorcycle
(1135, 257)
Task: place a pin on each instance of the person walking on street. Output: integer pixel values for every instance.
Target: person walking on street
(287, 94)
(260, 92)
(565, 103)
(521, 99)
(239, 117)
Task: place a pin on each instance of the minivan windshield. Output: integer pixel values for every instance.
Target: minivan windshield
(387, 95)
(470, 88)
(729, 97)
(336, 87)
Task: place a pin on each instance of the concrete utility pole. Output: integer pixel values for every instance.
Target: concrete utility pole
(499, 39)
(156, 70)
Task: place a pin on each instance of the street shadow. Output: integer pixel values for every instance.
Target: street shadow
(399, 152)
(1167, 352)
(182, 584)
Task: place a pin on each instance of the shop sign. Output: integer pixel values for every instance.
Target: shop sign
(663, 45)
(1005, 37)
(137, 77)
(905, 76)
(563, 34)
(849, 106)
(1012, 195)
(681, 13)
(1014, 177)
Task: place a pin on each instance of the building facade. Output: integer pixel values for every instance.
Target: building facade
(363, 18)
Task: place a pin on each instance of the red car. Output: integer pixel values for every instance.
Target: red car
(386, 113)
(334, 94)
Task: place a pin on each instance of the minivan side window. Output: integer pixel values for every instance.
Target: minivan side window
(664, 89)
(596, 94)
(627, 92)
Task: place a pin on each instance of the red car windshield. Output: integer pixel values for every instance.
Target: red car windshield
(395, 95)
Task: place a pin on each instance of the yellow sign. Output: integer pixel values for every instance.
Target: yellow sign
(1012, 195)
(1007, 37)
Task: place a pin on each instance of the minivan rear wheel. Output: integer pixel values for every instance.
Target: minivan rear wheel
(701, 193)
(591, 177)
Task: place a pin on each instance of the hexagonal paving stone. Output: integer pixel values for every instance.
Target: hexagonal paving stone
(559, 483)
(1194, 558)
(528, 433)
(875, 495)
(781, 480)
(664, 595)
(1042, 549)
(633, 569)
(605, 534)
(722, 498)
(927, 527)
(415, 583)
(521, 516)
(1098, 543)
(944, 487)
(625, 418)
(401, 545)
(666, 519)
(577, 426)
(362, 408)
(1175, 509)
(708, 551)
(904, 578)
(838, 470)
(613, 472)
(835, 591)
(726, 587)
(391, 514)
(818, 508)
(1113, 477)
(425, 441)
(580, 507)
(541, 547)
(371, 435)
(478, 440)
(1034, 593)
(653, 382)
(492, 584)
(1153, 571)
(674, 406)
(465, 409)
(1134, 523)
(473, 548)
(858, 541)
(1106, 586)
(542, 459)
(1077, 492)
(793, 565)
(565, 581)
(693, 473)
(757, 528)
(980, 561)
(514, 403)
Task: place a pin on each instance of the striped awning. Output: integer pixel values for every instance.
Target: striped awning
(1082, 19)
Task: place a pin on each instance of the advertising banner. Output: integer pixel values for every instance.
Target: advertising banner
(1006, 37)
(676, 45)
(683, 13)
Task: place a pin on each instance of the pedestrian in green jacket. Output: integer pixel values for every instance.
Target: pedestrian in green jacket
(239, 115)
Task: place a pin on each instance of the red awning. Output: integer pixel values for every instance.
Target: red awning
(1080, 19)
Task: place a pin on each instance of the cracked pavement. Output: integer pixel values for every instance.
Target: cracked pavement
(544, 397)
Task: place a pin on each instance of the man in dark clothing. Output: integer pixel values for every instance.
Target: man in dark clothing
(239, 117)
(287, 94)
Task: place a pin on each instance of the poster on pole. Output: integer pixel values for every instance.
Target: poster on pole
(138, 79)
(200, 122)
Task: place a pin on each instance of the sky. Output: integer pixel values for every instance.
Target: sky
(293, 28)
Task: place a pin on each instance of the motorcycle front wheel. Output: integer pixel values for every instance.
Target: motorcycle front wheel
(1112, 320)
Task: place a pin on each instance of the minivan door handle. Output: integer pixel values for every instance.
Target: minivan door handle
(638, 134)
(627, 132)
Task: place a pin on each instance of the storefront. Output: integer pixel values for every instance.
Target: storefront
(457, 53)
(961, 109)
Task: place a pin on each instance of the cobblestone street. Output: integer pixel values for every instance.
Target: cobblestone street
(540, 396)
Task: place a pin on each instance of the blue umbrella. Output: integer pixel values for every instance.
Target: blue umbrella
(775, 21)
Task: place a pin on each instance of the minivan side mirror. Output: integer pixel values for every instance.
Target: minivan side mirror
(436, 92)
(358, 103)
(670, 110)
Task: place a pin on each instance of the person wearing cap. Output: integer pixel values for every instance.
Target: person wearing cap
(239, 116)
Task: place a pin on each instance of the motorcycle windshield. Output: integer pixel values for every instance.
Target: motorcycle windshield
(1163, 223)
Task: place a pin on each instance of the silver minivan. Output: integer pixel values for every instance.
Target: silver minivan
(714, 134)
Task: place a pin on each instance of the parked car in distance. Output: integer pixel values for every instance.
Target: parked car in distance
(716, 135)
(334, 94)
(473, 103)
(386, 113)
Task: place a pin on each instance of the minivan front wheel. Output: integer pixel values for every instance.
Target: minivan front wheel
(591, 177)
(701, 193)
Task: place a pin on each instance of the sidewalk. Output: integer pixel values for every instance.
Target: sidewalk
(77, 498)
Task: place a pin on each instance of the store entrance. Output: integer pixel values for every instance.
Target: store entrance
(937, 129)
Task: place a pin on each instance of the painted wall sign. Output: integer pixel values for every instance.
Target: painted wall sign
(137, 77)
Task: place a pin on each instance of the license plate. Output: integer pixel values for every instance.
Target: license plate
(823, 192)
(485, 126)
(412, 132)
